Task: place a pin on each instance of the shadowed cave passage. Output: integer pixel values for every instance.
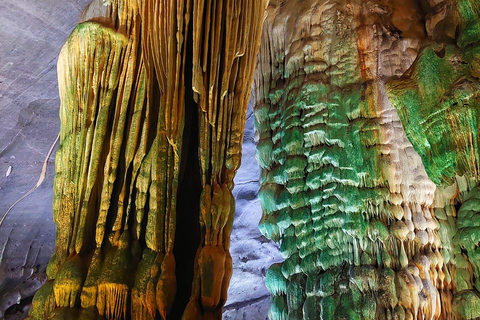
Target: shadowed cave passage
(187, 234)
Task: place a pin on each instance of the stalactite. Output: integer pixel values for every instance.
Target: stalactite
(222, 50)
(123, 89)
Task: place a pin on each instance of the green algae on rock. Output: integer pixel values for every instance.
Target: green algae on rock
(334, 162)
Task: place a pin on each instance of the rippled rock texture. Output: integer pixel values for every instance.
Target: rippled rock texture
(367, 231)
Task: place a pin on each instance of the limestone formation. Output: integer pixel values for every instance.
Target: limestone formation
(145, 87)
(438, 103)
(366, 112)
(363, 228)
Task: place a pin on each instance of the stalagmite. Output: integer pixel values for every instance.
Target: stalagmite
(131, 75)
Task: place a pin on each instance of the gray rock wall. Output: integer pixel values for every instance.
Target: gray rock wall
(252, 253)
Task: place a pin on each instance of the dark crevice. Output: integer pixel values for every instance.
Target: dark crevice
(187, 233)
(18, 309)
(457, 206)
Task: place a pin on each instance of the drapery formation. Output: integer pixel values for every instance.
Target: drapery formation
(225, 42)
(130, 77)
(364, 231)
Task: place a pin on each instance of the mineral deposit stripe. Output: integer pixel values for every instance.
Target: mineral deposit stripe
(39, 182)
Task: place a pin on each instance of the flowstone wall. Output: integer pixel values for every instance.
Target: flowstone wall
(372, 225)
(153, 105)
